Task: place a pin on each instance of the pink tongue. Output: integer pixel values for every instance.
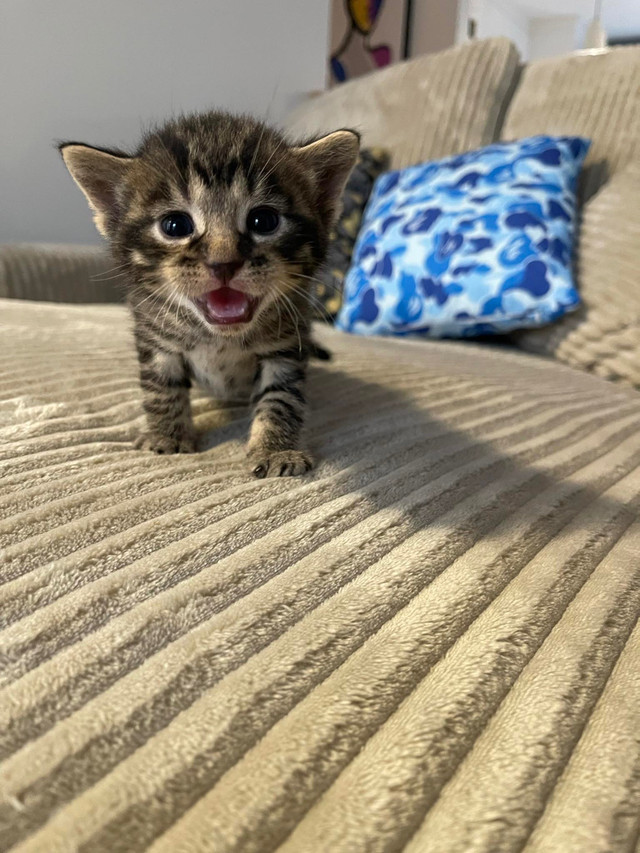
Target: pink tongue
(227, 305)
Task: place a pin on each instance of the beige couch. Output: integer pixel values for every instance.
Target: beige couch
(429, 644)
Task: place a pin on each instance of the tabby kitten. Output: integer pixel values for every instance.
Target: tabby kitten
(219, 224)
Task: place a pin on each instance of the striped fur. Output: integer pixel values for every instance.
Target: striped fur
(216, 168)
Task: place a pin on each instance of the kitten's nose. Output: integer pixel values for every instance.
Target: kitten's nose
(225, 271)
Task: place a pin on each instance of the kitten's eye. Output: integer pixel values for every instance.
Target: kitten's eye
(177, 225)
(263, 220)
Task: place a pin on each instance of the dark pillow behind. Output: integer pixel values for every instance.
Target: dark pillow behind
(372, 162)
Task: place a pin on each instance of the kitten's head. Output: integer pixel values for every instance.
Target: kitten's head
(217, 214)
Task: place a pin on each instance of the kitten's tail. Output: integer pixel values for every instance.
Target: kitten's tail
(316, 351)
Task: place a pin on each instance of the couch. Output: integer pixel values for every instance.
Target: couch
(428, 644)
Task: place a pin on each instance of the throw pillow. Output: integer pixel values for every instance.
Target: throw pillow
(329, 281)
(480, 243)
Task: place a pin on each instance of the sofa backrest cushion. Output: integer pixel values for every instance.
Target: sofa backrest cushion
(423, 109)
(592, 94)
(48, 272)
(603, 336)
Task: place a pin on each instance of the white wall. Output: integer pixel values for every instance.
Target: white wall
(496, 18)
(97, 71)
(539, 28)
(553, 36)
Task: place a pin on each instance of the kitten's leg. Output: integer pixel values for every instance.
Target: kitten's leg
(278, 416)
(165, 398)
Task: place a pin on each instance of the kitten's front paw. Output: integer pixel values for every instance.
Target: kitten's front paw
(279, 463)
(165, 444)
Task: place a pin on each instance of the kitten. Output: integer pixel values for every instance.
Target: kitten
(219, 224)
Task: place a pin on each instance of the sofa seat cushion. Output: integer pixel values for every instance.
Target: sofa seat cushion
(423, 109)
(428, 643)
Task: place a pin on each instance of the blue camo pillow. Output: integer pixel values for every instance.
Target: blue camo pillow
(480, 243)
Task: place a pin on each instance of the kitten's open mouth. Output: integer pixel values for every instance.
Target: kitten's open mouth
(226, 306)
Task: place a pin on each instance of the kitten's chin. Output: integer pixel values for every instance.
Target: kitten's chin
(226, 307)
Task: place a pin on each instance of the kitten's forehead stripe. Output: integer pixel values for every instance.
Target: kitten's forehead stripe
(180, 152)
(229, 171)
(203, 173)
(159, 193)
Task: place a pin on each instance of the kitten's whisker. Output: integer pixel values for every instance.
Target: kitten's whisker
(156, 319)
(115, 266)
(112, 269)
(276, 150)
(296, 288)
(173, 298)
(317, 281)
(295, 325)
(274, 167)
(165, 314)
(119, 270)
(152, 296)
(272, 101)
(101, 277)
(162, 297)
(264, 127)
(173, 163)
(135, 294)
(307, 277)
(288, 302)
(255, 150)
(313, 302)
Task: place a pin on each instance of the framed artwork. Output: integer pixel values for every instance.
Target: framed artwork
(365, 35)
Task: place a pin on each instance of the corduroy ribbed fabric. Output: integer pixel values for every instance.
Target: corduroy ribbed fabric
(603, 336)
(425, 108)
(58, 273)
(428, 644)
(592, 94)
(596, 95)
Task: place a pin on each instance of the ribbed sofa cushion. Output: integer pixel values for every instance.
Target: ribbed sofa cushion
(426, 108)
(50, 272)
(603, 336)
(596, 95)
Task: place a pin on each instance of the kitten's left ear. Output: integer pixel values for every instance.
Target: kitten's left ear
(330, 159)
(100, 175)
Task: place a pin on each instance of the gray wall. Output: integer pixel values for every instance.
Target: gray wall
(99, 70)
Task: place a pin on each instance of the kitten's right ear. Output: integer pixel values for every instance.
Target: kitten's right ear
(99, 174)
